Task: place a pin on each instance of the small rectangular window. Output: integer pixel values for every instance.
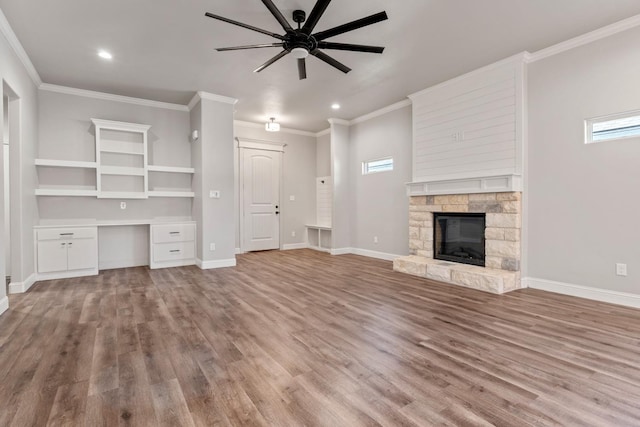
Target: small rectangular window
(380, 165)
(615, 126)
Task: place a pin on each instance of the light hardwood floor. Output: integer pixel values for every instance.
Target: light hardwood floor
(303, 338)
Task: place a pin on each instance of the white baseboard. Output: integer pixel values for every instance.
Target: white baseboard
(112, 265)
(67, 274)
(22, 287)
(219, 263)
(294, 246)
(602, 295)
(341, 251)
(4, 304)
(375, 254)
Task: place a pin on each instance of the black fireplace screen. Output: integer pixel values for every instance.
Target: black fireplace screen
(459, 237)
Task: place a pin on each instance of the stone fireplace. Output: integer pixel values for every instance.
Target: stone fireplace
(503, 223)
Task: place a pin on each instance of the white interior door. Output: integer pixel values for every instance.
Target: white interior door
(260, 199)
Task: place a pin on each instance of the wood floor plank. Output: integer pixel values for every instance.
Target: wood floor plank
(304, 338)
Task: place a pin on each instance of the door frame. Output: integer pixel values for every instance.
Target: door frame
(256, 144)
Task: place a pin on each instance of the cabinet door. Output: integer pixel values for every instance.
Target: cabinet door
(82, 254)
(52, 256)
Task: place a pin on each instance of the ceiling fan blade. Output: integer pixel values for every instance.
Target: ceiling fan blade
(271, 61)
(302, 68)
(240, 24)
(278, 15)
(350, 47)
(315, 15)
(353, 25)
(252, 46)
(329, 60)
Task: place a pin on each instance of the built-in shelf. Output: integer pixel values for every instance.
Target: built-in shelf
(65, 164)
(66, 192)
(121, 170)
(121, 195)
(171, 194)
(121, 166)
(170, 169)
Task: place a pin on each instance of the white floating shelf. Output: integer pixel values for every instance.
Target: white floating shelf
(171, 194)
(65, 164)
(120, 170)
(170, 169)
(121, 195)
(65, 192)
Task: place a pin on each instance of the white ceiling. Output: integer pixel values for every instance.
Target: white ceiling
(164, 49)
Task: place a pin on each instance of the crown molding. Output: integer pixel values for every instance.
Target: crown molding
(253, 125)
(520, 58)
(210, 97)
(15, 44)
(590, 37)
(110, 97)
(381, 112)
(327, 131)
(339, 122)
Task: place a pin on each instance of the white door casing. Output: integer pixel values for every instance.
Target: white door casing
(260, 176)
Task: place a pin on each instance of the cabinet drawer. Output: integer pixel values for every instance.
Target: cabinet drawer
(168, 233)
(163, 252)
(67, 233)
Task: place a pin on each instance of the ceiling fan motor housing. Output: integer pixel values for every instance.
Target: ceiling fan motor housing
(299, 16)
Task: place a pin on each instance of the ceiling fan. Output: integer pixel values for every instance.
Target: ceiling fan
(302, 42)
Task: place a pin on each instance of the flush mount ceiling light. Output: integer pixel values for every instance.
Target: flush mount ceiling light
(272, 126)
(104, 54)
(335, 106)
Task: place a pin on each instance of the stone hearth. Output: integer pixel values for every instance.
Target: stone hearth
(502, 241)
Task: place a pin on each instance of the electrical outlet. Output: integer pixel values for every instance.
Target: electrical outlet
(293, 234)
(292, 198)
(214, 194)
(123, 205)
(621, 269)
(212, 247)
(375, 239)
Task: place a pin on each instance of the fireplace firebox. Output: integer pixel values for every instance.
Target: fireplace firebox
(459, 237)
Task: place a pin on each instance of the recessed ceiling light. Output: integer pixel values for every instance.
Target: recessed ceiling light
(105, 55)
(335, 106)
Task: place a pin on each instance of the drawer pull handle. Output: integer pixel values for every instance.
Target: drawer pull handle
(174, 232)
(175, 250)
(66, 234)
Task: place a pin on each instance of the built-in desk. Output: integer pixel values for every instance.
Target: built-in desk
(319, 237)
(69, 248)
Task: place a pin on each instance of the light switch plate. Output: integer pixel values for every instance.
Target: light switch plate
(123, 205)
(214, 194)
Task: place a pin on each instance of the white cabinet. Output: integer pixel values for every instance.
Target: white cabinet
(172, 245)
(66, 252)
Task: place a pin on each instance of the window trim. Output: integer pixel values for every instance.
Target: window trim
(365, 170)
(588, 126)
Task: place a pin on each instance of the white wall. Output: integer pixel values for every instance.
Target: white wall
(323, 155)
(217, 172)
(583, 203)
(23, 203)
(299, 171)
(379, 204)
(340, 174)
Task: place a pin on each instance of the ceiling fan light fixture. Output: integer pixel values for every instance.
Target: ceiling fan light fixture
(272, 126)
(299, 52)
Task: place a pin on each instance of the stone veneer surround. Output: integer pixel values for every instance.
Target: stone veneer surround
(502, 241)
